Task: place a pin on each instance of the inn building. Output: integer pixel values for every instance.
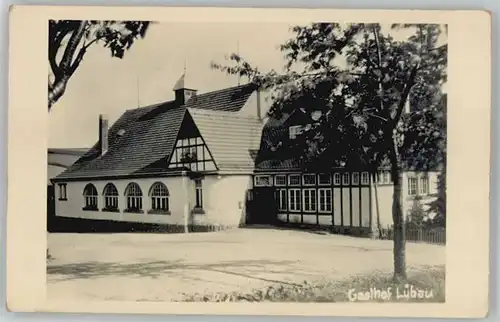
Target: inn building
(215, 160)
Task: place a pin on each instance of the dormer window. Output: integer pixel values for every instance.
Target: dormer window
(295, 130)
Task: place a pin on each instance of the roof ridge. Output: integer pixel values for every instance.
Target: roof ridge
(197, 95)
(154, 105)
(224, 89)
(233, 115)
(221, 90)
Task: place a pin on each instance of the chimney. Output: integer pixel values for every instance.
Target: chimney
(103, 134)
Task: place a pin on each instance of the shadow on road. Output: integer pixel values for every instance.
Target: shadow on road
(154, 269)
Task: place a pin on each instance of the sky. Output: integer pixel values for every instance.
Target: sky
(149, 70)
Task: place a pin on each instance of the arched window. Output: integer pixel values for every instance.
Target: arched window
(110, 197)
(159, 197)
(90, 195)
(134, 197)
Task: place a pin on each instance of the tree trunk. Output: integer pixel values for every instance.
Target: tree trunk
(378, 232)
(398, 219)
(57, 90)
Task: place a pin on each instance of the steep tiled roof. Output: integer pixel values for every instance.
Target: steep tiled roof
(229, 99)
(148, 134)
(141, 140)
(232, 139)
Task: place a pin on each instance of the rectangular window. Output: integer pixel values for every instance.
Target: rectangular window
(387, 177)
(324, 179)
(355, 178)
(365, 178)
(62, 192)
(199, 194)
(309, 200)
(263, 181)
(379, 178)
(294, 203)
(336, 179)
(280, 180)
(294, 180)
(294, 131)
(282, 199)
(424, 185)
(325, 200)
(345, 179)
(412, 186)
(309, 179)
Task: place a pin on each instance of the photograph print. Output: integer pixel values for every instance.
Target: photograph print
(246, 162)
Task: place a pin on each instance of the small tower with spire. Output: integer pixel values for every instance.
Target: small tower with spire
(182, 91)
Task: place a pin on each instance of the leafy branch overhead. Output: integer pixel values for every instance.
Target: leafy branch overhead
(69, 41)
(362, 78)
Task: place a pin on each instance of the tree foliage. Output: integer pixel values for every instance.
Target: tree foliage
(438, 206)
(417, 215)
(362, 77)
(69, 40)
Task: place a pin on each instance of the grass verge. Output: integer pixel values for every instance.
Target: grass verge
(422, 286)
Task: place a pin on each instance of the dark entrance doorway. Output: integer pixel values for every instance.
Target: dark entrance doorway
(263, 209)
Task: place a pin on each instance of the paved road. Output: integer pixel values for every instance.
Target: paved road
(163, 267)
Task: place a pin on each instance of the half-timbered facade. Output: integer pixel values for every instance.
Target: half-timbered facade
(289, 189)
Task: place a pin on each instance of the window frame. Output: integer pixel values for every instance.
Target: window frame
(294, 175)
(156, 197)
(410, 180)
(337, 179)
(365, 177)
(355, 175)
(344, 176)
(63, 192)
(308, 175)
(423, 179)
(198, 190)
(325, 210)
(260, 176)
(282, 199)
(298, 201)
(276, 180)
(107, 197)
(311, 199)
(329, 183)
(294, 131)
(134, 201)
(387, 177)
(88, 198)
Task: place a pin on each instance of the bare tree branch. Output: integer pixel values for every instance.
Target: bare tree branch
(404, 96)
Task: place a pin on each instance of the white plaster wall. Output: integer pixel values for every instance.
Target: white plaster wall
(385, 198)
(224, 199)
(73, 206)
(408, 200)
(384, 194)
